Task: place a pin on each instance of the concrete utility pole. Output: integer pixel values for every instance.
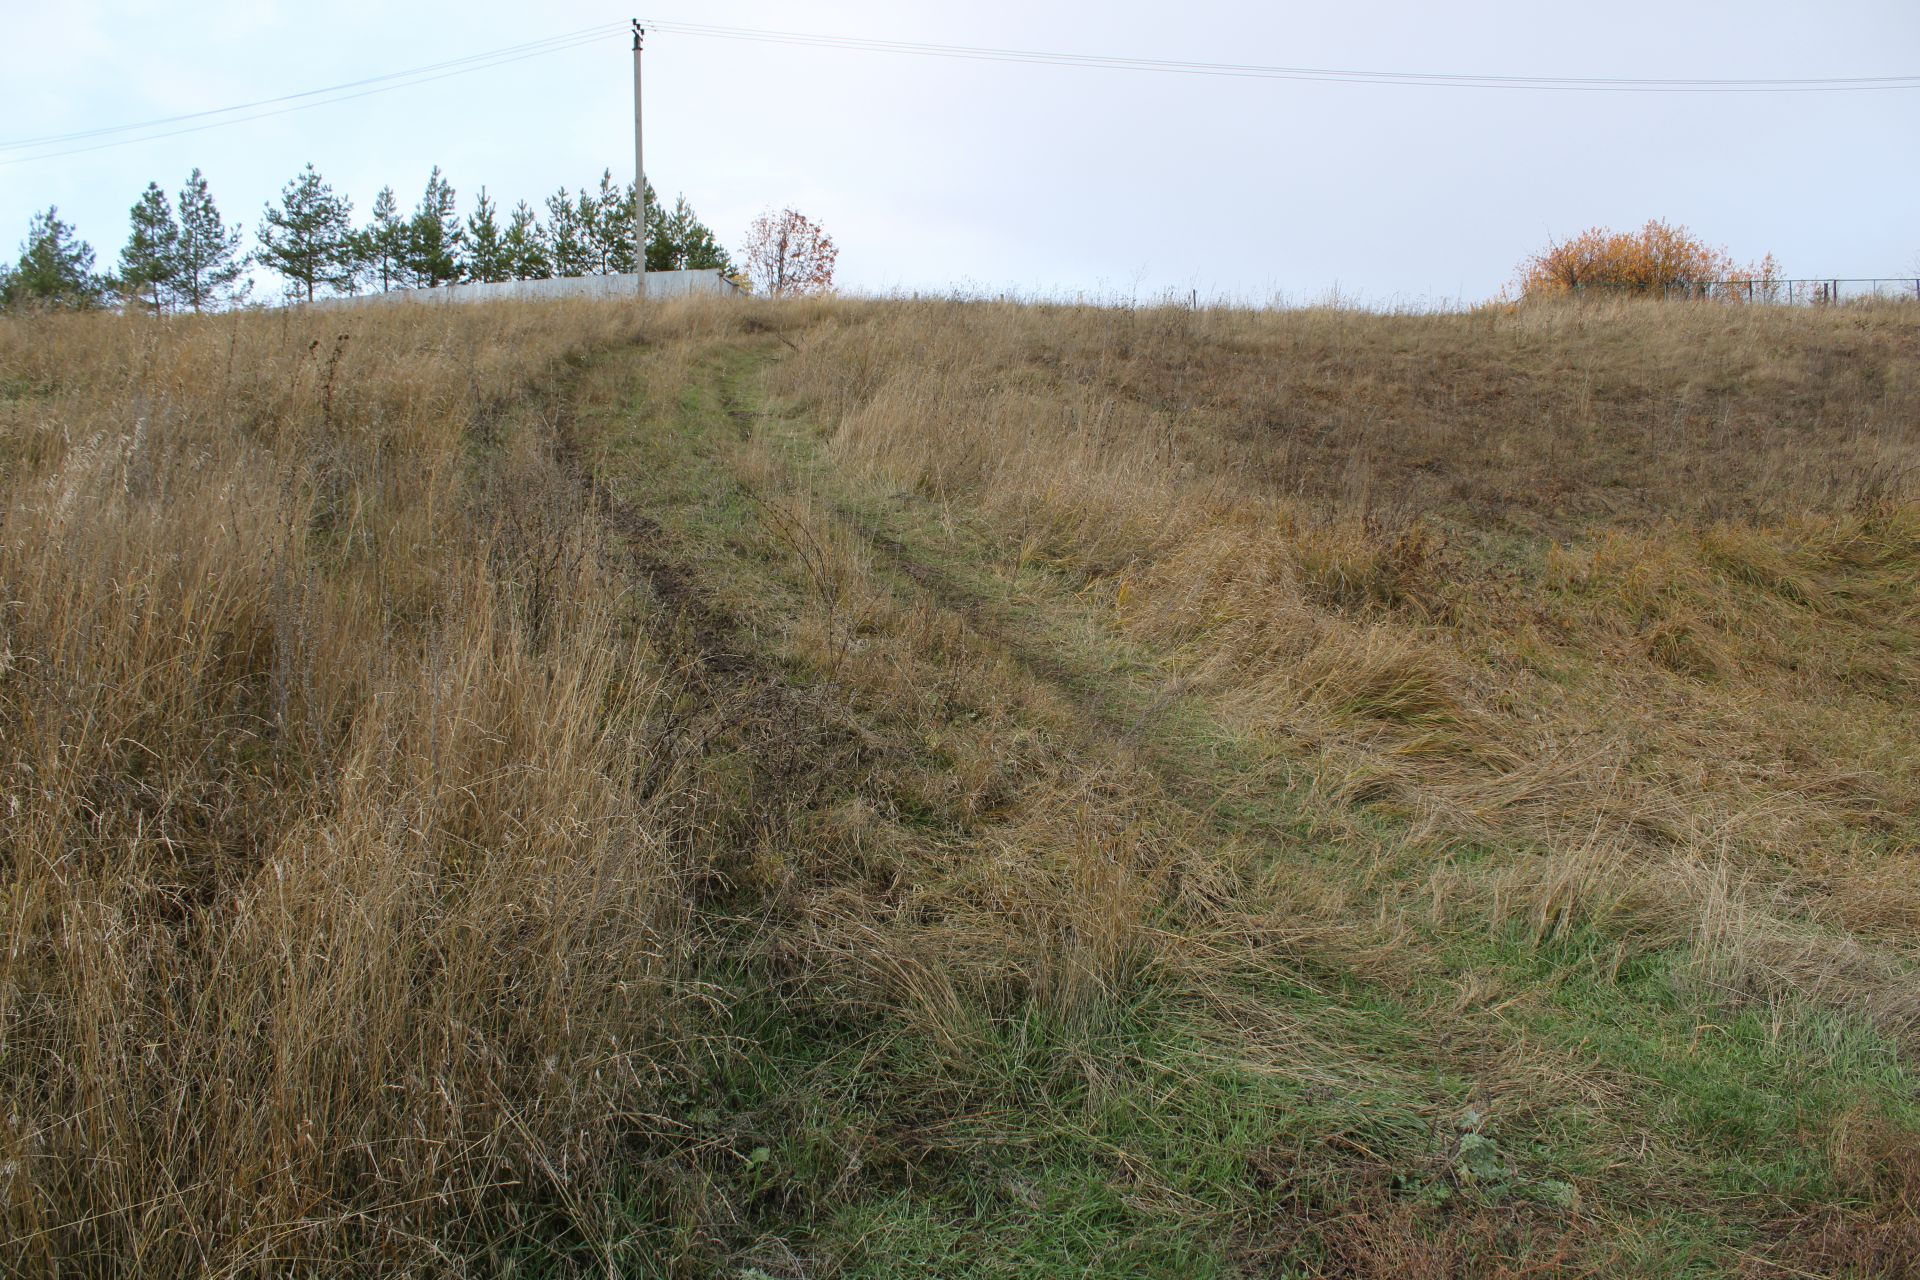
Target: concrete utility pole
(639, 170)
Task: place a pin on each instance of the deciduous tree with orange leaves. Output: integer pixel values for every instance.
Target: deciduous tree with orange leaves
(788, 254)
(1659, 259)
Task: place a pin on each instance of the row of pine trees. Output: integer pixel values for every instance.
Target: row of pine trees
(181, 256)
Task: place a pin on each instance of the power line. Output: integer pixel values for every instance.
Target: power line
(1418, 79)
(245, 112)
(49, 140)
(381, 84)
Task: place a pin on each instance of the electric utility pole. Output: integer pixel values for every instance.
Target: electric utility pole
(639, 170)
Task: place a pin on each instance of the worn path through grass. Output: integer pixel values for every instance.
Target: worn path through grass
(1030, 965)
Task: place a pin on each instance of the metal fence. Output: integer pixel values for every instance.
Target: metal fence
(1788, 293)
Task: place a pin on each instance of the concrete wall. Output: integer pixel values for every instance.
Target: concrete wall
(660, 284)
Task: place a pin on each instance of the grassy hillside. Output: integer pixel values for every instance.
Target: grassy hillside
(883, 789)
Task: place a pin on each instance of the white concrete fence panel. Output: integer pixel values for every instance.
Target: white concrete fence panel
(660, 284)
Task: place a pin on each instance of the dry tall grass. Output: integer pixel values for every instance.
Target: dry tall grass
(1633, 586)
(357, 834)
(335, 926)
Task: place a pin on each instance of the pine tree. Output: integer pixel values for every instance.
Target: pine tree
(384, 244)
(608, 218)
(434, 235)
(659, 249)
(681, 242)
(309, 239)
(586, 214)
(55, 267)
(568, 250)
(526, 246)
(592, 237)
(620, 229)
(487, 258)
(149, 265)
(210, 264)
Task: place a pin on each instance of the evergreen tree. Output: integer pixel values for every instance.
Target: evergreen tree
(487, 257)
(309, 239)
(55, 267)
(592, 237)
(434, 235)
(681, 242)
(659, 250)
(526, 246)
(620, 225)
(210, 264)
(608, 218)
(568, 250)
(384, 247)
(149, 265)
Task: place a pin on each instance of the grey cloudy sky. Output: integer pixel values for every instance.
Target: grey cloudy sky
(937, 173)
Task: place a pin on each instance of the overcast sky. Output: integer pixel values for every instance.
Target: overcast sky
(942, 174)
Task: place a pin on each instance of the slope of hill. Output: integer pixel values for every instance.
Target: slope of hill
(881, 789)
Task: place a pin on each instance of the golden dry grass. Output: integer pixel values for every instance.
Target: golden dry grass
(334, 924)
(1635, 585)
(412, 850)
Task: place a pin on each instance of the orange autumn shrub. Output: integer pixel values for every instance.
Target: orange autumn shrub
(1659, 258)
